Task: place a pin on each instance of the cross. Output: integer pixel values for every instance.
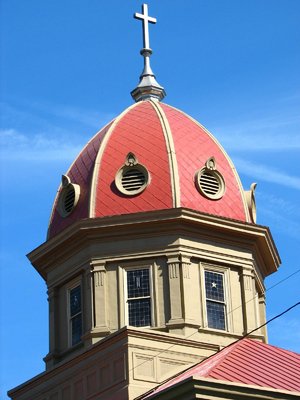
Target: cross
(146, 19)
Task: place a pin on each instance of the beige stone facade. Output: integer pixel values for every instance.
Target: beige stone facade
(114, 361)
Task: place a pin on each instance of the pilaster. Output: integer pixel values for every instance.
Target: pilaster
(176, 293)
(249, 300)
(99, 299)
(179, 268)
(52, 301)
(262, 314)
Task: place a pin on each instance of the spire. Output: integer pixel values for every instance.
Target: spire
(148, 88)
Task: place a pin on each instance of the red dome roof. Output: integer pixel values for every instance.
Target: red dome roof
(171, 146)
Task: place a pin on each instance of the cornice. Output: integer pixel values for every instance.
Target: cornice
(177, 221)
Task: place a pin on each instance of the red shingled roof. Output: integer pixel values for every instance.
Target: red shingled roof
(172, 146)
(248, 362)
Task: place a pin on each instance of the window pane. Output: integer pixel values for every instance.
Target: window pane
(75, 300)
(76, 324)
(216, 315)
(139, 312)
(214, 286)
(138, 284)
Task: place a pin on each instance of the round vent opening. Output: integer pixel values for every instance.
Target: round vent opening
(210, 183)
(132, 180)
(68, 198)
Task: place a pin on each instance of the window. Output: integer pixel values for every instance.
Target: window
(75, 315)
(215, 300)
(138, 297)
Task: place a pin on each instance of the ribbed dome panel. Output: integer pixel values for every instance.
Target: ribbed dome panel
(171, 146)
(194, 146)
(138, 131)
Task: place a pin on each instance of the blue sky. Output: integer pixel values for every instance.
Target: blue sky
(67, 68)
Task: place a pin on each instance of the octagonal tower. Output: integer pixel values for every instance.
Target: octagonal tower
(153, 259)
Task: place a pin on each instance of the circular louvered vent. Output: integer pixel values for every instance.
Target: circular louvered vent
(68, 198)
(210, 183)
(131, 180)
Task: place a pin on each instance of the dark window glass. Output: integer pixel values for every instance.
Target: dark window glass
(138, 283)
(138, 297)
(75, 315)
(139, 312)
(76, 329)
(215, 300)
(215, 315)
(214, 286)
(75, 301)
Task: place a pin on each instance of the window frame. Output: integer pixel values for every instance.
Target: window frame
(225, 272)
(70, 317)
(138, 267)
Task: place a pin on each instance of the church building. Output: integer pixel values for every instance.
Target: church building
(155, 267)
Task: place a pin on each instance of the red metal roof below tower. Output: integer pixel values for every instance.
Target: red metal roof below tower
(248, 362)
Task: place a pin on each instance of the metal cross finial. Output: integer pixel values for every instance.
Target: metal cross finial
(146, 19)
(148, 88)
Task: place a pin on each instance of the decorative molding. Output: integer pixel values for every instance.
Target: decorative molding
(250, 200)
(171, 153)
(99, 277)
(186, 265)
(102, 147)
(144, 367)
(246, 279)
(174, 270)
(186, 271)
(179, 275)
(180, 220)
(248, 282)
(167, 365)
(100, 326)
(98, 272)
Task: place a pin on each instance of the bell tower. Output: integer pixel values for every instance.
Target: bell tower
(153, 259)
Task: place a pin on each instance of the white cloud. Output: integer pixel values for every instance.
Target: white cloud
(276, 218)
(266, 173)
(278, 204)
(274, 133)
(262, 142)
(40, 147)
(282, 215)
(39, 132)
(49, 115)
(94, 119)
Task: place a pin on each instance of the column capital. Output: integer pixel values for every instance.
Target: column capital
(97, 265)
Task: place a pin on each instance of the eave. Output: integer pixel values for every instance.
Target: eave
(177, 221)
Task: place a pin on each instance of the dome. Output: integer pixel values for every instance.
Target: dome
(151, 157)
